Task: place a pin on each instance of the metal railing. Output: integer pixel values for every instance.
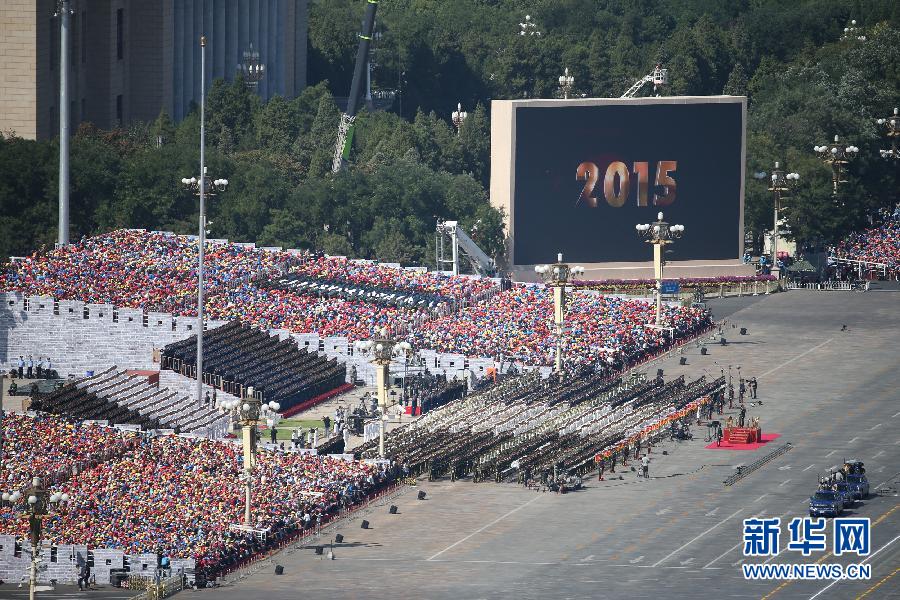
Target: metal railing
(156, 590)
(744, 470)
(839, 286)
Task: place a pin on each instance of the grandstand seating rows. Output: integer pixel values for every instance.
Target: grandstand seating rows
(237, 356)
(119, 398)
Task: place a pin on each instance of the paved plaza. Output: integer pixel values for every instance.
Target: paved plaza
(831, 393)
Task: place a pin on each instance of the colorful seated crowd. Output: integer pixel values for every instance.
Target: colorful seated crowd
(55, 447)
(877, 245)
(172, 494)
(518, 325)
(155, 271)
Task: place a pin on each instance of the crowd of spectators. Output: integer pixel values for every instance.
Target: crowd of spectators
(173, 494)
(518, 325)
(879, 244)
(281, 309)
(137, 269)
(364, 273)
(465, 315)
(52, 446)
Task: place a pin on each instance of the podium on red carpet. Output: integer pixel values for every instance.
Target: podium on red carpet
(742, 435)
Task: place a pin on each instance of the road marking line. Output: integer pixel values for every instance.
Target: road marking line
(784, 482)
(885, 515)
(477, 531)
(798, 357)
(723, 555)
(853, 440)
(877, 585)
(808, 468)
(871, 556)
(682, 547)
(761, 497)
(784, 468)
(880, 452)
(875, 426)
(635, 561)
(713, 512)
(830, 453)
(895, 414)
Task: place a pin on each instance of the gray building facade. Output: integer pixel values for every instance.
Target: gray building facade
(130, 59)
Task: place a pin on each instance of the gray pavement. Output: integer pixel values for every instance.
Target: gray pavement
(831, 393)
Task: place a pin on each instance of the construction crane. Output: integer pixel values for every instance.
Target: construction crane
(659, 77)
(459, 240)
(345, 127)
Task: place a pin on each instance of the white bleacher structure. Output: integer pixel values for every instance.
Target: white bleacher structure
(61, 563)
(80, 337)
(172, 408)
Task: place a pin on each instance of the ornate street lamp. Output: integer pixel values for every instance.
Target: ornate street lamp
(557, 277)
(853, 32)
(837, 156)
(892, 131)
(660, 234)
(528, 27)
(458, 116)
(566, 83)
(249, 413)
(782, 184)
(252, 69)
(38, 504)
(382, 350)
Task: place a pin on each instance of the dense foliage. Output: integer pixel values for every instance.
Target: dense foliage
(410, 167)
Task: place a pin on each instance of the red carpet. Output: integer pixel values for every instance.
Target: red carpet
(317, 400)
(766, 438)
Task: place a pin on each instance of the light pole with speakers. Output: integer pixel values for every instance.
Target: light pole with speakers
(382, 350)
(660, 234)
(557, 276)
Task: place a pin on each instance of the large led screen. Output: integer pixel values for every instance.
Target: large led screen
(586, 175)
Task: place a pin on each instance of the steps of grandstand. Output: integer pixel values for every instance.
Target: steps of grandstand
(119, 397)
(237, 356)
(187, 386)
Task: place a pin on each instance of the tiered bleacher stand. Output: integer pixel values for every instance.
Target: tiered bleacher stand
(117, 397)
(237, 356)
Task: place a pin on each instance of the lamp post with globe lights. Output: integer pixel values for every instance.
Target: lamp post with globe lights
(566, 83)
(249, 412)
(458, 117)
(39, 502)
(251, 68)
(892, 131)
(202, 187)
(660, 234)
(837, 156)
(383, 349)
(781, 185)
(529, 28)
(557, 277)
(851, 32)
